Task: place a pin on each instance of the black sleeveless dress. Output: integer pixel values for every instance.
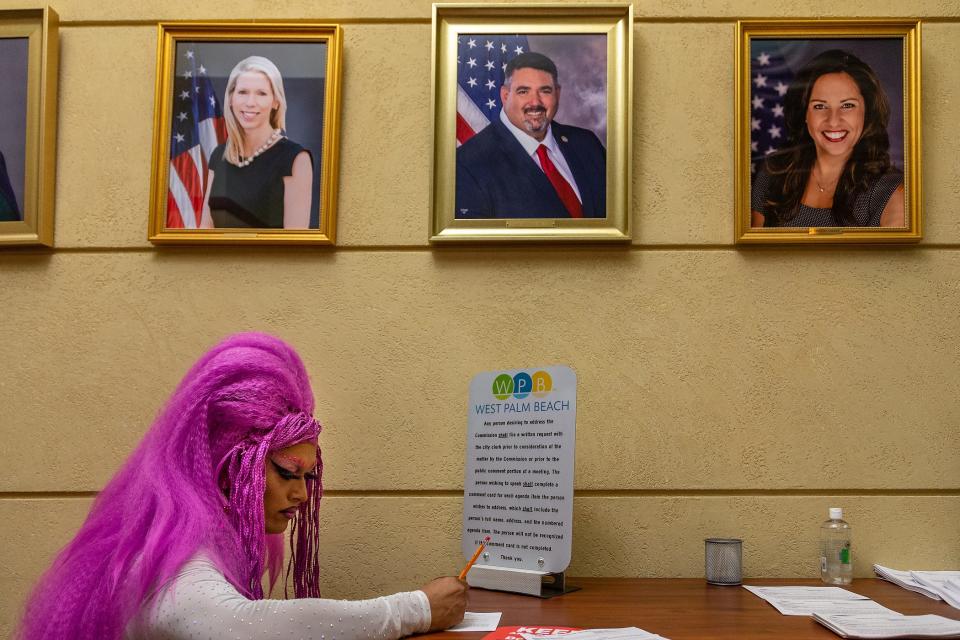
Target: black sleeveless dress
(251, 196)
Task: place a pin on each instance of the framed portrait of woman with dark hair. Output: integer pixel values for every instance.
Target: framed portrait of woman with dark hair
(28, 125)
(828, 131)
(245, 139)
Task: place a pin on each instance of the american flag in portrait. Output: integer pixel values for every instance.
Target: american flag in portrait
(769, 79)
(481, 62)
(198, 127)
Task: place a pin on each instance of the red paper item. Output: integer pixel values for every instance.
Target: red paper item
(513, 633)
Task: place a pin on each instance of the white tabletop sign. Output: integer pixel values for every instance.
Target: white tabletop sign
(518, 484)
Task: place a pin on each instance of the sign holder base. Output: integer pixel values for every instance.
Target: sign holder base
(541, 584)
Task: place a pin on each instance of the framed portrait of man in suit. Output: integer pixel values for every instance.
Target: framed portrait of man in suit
(531, 123)
(28, 123)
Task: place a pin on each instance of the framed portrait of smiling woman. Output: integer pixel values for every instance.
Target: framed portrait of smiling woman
(532, 123)
(828, 131)
(245, 143)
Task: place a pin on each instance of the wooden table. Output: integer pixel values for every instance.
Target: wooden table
(681, 609)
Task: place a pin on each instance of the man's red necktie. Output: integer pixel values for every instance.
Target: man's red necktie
(567, 195)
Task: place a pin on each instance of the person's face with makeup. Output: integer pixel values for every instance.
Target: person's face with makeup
(253, 100)
(288, 472)
(835, 114)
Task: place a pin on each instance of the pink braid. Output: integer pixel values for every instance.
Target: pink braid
(246, 479)
(305, 542)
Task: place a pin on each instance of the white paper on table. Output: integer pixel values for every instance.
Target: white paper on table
(894, 625)
(941, 582)
(623, 633)
(478, 622)
(803, 601)
(808, 593)
(952, 586)
(800, 608)
(905, 580)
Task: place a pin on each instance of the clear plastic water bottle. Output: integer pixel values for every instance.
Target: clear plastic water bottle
(836, 559)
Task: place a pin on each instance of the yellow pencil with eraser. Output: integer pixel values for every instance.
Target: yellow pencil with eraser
(476, 554)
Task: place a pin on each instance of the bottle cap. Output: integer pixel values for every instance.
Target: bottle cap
(836, 513)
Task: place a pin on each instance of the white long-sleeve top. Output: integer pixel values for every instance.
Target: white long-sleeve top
(200, 604)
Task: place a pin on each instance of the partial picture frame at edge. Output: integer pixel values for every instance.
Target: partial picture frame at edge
(41, 29)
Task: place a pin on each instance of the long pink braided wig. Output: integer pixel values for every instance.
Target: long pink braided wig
(194, 485)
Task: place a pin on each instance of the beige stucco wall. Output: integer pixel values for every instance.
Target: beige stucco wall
(722, 390)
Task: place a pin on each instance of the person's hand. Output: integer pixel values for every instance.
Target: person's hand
(448, 602)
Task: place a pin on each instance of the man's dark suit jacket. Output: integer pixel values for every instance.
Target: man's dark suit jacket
(497, 179)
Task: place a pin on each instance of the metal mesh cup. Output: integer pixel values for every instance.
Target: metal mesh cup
(723, 560)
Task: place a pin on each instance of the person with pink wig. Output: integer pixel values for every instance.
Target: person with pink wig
(177, 543)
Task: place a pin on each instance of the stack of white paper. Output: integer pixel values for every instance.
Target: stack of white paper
(905, 580)
(624, 633)
(892, 625)
(803, 601)
(945, 584)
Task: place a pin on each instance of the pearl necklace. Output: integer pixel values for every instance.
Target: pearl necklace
(272, 140)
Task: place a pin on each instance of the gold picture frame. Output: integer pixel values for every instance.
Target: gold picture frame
(493, 187)
(29, 56)
(814, 165)
(285, 190)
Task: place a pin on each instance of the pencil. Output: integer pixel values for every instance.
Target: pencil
(476, 554)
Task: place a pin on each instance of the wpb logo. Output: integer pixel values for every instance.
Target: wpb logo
(540, 384)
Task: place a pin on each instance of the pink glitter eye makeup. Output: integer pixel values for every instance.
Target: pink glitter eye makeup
(289, 467)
